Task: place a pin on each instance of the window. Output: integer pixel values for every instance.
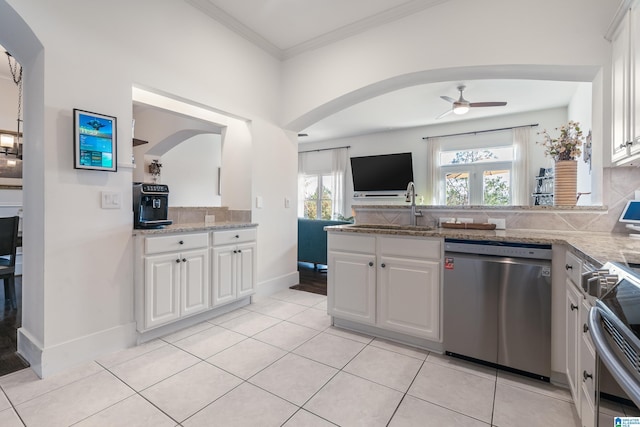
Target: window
(477, 177)
(318, 203)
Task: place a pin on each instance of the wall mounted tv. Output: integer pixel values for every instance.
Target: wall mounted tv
(388, 172)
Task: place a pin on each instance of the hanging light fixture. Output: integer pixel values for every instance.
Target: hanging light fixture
(16, 72)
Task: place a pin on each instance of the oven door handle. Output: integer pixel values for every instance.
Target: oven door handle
(611, 360)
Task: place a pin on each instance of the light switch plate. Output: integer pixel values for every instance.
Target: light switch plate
(259, 202)
(111, 200)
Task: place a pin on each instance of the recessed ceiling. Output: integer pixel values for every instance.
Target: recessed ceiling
(420, 105)
(286, 28)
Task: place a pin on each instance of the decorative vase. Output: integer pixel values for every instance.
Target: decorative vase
(565, 183)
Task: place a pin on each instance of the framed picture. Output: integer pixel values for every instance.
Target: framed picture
(94, 141)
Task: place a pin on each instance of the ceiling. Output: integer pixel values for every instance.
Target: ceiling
(286, 28)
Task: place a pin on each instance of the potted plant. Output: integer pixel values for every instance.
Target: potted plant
(564, 149)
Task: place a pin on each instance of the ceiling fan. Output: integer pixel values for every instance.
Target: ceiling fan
(462, 106)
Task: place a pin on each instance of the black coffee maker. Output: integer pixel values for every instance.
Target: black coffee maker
(150, 205)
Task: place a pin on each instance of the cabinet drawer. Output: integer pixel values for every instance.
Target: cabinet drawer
(573, 267)
(411, 247)
(229, 237)
(347, 242)
(175, 242)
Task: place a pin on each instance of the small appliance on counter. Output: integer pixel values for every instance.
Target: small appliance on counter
(150, 205)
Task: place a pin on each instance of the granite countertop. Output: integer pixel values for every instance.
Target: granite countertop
(596, 247)
(196, 226)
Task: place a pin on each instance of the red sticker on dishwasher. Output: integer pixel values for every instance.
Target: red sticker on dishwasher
(448, 263)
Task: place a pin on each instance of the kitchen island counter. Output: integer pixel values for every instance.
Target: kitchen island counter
(596, 247)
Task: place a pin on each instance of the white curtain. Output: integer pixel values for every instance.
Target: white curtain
(303, 160)
(339, 161)
(520, 169)
(434, 184)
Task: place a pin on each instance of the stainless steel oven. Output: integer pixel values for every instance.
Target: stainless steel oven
(150, 205)
(614, 325)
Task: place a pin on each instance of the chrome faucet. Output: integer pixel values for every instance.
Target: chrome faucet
(411, 197)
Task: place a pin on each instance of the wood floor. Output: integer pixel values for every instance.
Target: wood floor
(10, 321)
(312, 279)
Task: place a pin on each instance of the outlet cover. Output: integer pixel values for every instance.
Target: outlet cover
(500, 223)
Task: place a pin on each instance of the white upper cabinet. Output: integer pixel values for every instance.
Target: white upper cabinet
(625, 38)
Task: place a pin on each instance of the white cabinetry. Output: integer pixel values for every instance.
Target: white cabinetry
(390, 282)
(233, 265)
(176, 277)
(625, 37)
(180, 274)
(351, 277)
(580, 350)
(409, 286)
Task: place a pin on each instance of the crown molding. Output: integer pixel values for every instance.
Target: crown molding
(333, 36)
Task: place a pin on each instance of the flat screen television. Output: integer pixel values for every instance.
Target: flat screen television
(388, 172)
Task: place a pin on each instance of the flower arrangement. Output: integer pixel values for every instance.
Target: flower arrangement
(567, 145)
(154, 168)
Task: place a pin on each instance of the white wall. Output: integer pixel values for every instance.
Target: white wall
(455, 40)
(78, 300)
(190, 169)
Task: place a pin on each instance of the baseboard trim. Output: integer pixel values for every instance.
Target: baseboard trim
(276, 284)
(50, 360)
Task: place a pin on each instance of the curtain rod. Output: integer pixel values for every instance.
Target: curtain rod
(324, 149)
(480, 131)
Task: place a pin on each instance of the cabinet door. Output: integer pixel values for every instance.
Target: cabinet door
(245, 279)
(161, 289)
(194, 295)
(587, 383)
(351, 286)
(635, 80)
(222, 270)
(621, 91)
(409, 296)
(573, 303)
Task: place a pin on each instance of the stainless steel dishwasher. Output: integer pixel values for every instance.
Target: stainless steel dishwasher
(497, 304)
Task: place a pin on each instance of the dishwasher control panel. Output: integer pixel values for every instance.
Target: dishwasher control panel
(498, 248)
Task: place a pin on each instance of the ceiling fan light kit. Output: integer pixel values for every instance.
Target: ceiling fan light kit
(462, 106)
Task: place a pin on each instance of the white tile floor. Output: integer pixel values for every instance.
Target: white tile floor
(278, 362)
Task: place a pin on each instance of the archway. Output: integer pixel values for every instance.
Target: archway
(18, 38)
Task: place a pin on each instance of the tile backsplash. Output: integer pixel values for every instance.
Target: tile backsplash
(619, 186)
(191, 215)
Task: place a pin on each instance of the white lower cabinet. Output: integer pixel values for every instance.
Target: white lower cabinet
(176, 284)
(409, 296)
(573, 303)
(351, 286)
(233, 265)
(390, 282)
(182, 274)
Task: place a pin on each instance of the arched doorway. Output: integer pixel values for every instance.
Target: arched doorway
(18, 38)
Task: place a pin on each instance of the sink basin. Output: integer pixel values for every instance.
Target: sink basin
(392, 227)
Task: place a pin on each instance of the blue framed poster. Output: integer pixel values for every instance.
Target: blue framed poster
(94, 141)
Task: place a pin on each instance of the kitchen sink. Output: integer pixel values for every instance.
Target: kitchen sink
(392, 227)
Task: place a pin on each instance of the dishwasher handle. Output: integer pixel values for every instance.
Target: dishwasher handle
(612, 361)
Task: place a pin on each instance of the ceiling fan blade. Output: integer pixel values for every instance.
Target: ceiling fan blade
(446, 113)
(487, 104)
(448, 99)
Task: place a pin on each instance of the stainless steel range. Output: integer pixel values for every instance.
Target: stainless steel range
(614, 325)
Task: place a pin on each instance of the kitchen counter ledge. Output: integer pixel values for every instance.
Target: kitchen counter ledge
(596, 247)
(196, 226)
